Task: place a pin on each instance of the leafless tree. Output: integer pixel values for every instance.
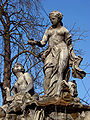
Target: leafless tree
(20, 20)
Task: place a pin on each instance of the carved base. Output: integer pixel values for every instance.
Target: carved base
(64, 107)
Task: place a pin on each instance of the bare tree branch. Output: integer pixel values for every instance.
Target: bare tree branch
(2, 55)
(5, 3)
(1, 18)
(21, 53)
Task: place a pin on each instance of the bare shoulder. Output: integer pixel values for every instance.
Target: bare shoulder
(64, 29)
(27, 75)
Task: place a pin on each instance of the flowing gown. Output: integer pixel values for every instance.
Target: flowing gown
(56, 58)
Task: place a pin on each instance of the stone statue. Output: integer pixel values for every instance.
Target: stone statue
(23, 87)
(59, 56)
(24, 81)
(72, 87)
(60, 97)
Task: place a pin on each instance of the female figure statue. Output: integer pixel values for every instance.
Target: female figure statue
(58, 56)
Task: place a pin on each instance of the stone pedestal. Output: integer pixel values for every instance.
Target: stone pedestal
(49, 109)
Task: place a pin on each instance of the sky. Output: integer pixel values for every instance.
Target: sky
(76, 12)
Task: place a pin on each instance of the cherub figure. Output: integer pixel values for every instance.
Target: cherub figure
(59, 56)
(24, 81)
(23, 88)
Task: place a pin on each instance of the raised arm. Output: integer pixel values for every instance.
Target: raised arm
(41, 43)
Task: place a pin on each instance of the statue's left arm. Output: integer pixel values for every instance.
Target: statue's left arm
(28, 78)
(68, 40)
(74, 61)
(29, 83)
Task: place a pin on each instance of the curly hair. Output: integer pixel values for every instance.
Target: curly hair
(57, 14)
(18, 70)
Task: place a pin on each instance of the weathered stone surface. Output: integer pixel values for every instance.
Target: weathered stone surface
(27, 107)
(87, 116)
(2, 113)
(59, 56)
(24, 82)
(60, 101)
(50, 112)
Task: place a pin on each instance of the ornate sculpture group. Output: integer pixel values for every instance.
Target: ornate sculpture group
(57, 59)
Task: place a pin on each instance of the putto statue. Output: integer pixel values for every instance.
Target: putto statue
(24, 81)
(22, 89)
(59, 56)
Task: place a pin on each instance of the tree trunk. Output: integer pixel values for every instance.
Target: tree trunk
(7, 66)
(5, 20)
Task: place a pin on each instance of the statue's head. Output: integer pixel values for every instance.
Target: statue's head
(55, 17)
(18, 68)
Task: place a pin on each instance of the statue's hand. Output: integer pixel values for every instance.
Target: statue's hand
(64, 83)
(31, 42)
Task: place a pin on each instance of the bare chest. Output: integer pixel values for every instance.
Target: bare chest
(56, 36)
(21, 81)
(56, 32)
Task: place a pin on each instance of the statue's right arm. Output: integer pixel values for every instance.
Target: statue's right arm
(41, 43)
